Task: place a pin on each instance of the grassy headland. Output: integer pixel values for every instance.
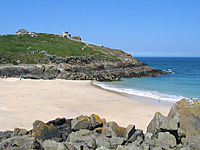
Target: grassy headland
(27, 49)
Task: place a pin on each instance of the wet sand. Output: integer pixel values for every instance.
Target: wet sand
(23, 102)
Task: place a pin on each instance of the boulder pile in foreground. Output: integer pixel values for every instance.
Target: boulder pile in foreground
(180, 130)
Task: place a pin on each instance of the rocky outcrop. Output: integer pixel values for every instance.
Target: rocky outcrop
(95, 67)
(80, 68)
(162, 123)
(30, 71)
(41, 131)
(188, 113)
(63, 125)
(179, 130)
(182, 124)
(76, 61)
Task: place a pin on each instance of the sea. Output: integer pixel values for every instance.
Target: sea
(183, 82)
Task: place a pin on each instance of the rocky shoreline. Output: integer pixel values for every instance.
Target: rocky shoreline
(179, 130)
(84, 62)
(81, 68)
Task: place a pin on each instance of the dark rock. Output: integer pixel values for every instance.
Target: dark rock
(63, 125)
(43, 131)
(57, 121)
(15, 63)
(83, 68)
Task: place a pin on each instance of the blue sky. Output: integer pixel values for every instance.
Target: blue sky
(139, 27)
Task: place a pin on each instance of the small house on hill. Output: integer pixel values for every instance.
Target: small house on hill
(66, 35)
(22, 32)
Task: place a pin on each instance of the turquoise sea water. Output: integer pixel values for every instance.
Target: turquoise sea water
(184, 82)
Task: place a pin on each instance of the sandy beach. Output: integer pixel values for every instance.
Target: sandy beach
(23, 102)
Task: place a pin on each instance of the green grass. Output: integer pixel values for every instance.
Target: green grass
(18, 47)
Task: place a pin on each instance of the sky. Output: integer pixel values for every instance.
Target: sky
(149, 28)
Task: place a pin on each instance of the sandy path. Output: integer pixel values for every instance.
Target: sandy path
(22, 102)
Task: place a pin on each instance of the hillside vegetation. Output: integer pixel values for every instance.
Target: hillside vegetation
(26, 49)
(49, 56)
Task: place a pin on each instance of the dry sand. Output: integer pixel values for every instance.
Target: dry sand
(23, 102)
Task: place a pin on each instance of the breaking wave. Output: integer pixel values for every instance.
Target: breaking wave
(150, 94)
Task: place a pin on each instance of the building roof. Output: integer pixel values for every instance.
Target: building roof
(22, 31)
